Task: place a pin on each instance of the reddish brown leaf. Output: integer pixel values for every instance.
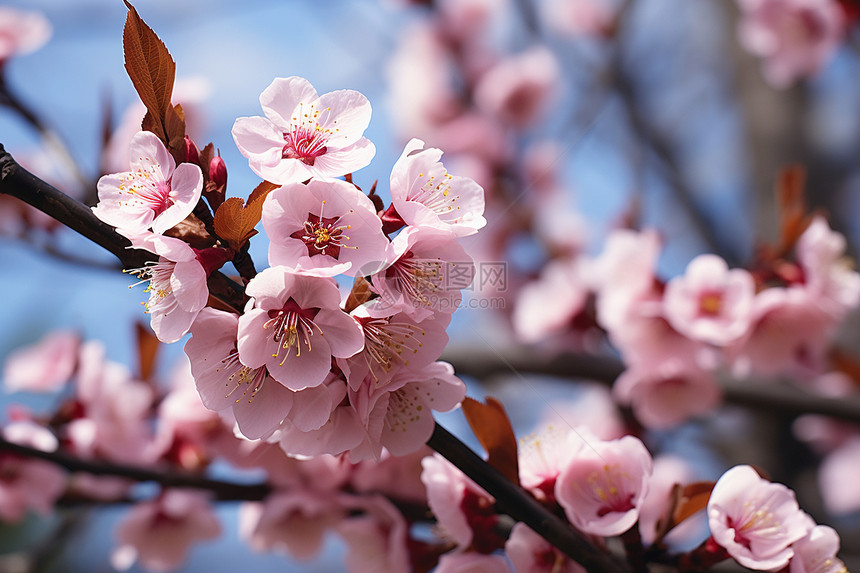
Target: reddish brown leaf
(147, 349)
(152, 72)
(235, 221)
(793, 218)
(359, 294)
(694, 498)
(261, 191)
(493, 429)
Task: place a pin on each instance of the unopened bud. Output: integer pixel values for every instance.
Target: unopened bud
(191, 153)
(218, 172)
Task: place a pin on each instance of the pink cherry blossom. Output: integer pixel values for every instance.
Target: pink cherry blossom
(399, 416)
(305, 135)
(424, 194)
(258, 402)
(292, 522)
(29, 483)
(531, 553)
(667, 394)
(796, 38)
(154, 194)
(22, 32)
(324, 228)
(602, 487)
(837, 478)
(518, 89)
(322, 421)
(398, 477)
(828, 277)
(376, 538)
(816, 553)
(425, 272)
(177, 284)
(710, 302)
(159, 533)
(563, 282)
(447, 488)
(45, 366)
(542, 457)
(393, 342)
(293, 325)
(472, 563)
(755, 520)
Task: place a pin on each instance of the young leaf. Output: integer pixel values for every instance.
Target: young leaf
(360, 294)
(235, 221)
(152, 72)
(493, 429)
(147, 349)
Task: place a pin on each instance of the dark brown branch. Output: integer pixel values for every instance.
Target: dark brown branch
(522, 507)
(780, 397)
(221, 489)
(18, 182)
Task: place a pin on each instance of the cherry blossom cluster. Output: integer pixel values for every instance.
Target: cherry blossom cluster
(612, 487)
(296, 366)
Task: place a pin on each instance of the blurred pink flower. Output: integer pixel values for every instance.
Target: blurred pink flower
(816, 553)
(531, 553)
(425, 195)
(22, 32)
(45, 366)
(796, 38)
(709, 302)
(156, 192)
(305, 135)
(755, 520)
(837, 478)
(518, 89)
(324, 228)
(158, 533)
(578, 18)
(292, 522)
(29, 483)
(666, 394)
(547, 306)
(827, 273)
(602, 487)
(293, 325)
(376, 538)
(789, 335)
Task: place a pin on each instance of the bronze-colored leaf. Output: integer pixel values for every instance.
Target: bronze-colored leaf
(235, 223)
(261, 191)
(493, 429)
(793, 218)
(360, 294)
(694, 498)
(152, 72)
(147, 349)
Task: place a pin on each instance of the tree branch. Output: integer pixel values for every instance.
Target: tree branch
(221, 489)
(779, 396)
(521, 506)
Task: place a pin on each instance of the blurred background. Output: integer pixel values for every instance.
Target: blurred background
(577, 116)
